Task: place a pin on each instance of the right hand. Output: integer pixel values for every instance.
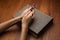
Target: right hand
(28, 15)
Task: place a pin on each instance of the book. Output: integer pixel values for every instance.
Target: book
(40, 21)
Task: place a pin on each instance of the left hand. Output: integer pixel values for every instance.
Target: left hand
(25, 12)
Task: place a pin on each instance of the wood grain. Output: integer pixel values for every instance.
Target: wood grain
(49, 7)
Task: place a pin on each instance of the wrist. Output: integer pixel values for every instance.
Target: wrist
(24, 26)
(18, 18)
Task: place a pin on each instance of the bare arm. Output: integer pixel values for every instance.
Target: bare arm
(25, 21)
(7, 24)
(24, 32)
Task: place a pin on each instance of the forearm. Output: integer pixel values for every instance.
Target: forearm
(7, 24)
(24, 32)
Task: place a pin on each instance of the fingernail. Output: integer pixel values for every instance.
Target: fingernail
(31, 9)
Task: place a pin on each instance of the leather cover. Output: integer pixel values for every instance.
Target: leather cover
(40, 20)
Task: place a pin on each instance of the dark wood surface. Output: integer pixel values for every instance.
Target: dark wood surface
(49, 7)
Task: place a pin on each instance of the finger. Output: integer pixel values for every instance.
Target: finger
(31, 14)
(27, 13)
(27, 9)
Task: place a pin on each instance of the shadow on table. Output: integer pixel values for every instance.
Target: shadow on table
(44, 30)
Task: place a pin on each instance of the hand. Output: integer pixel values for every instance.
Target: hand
(25, 12)
(28, 15)
(22, 15)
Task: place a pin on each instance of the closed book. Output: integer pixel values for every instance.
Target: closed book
(39, 22)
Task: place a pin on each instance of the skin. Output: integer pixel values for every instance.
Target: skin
(26, 17)
(25, 21)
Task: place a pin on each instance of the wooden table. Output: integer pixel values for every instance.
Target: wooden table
(49, 7)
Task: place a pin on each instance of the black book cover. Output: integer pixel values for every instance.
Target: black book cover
(39, 22)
